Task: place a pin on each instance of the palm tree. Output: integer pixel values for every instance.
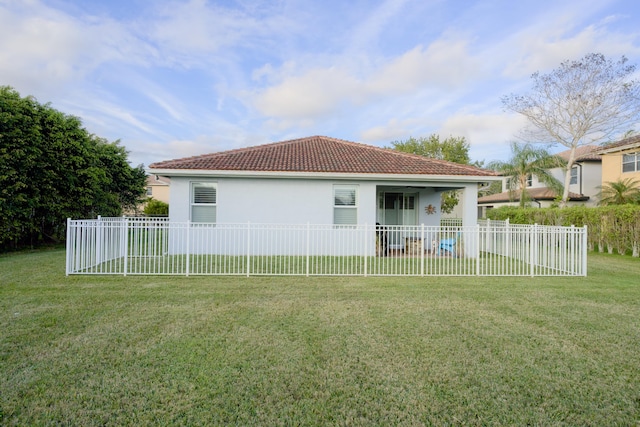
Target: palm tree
(620, 192)
(526, 161)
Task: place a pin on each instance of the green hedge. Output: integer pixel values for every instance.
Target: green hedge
(156, 207)
(610, 228)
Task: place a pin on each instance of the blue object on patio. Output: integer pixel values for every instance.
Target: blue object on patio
(447, 245)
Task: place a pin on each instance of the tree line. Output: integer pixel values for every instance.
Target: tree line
(52, 168)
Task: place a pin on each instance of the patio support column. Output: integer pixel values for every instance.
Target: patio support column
(470, 204)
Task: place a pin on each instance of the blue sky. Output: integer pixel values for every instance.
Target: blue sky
(179, 78)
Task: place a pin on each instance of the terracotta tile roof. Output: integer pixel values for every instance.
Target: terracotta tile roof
(321, 154)
(631, 142)
(585, 153)
(540, 193)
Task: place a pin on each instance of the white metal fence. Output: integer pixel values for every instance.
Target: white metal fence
(157, 246)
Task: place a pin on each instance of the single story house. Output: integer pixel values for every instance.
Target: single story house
(317, 180)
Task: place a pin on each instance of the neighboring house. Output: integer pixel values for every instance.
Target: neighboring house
(621, 160)
(317, 180)
(158, 187)
(583, 190)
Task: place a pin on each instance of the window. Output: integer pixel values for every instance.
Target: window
(574, 176)
(529, 180)
(631, 162)
(409, 202)
(203, 201)
(345, 208)
(149, 191)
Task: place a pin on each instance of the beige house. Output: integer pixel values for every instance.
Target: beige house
(158, 188)
(621, 160)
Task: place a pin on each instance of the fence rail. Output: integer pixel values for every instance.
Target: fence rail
(157, 246)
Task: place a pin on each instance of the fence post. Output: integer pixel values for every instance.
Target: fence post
(99, 238)
(308, 246)
(584, 251)
(573, 256)
(488, 241)
(125, 239)
(422, 248)
(533, 247)
(507, 243)
(67, 267)
(248, 248)
(366, 247)
(477, 250)
(188, 243)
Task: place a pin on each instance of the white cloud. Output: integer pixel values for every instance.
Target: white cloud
(50, 51)
(318, 92)
(483, 129)
(197, 32)
(314, 94)
(444, 63)
(148, 152)
(369, 30)
(543, 47)
(393, 130)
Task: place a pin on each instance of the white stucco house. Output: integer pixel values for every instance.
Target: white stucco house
(316, 206)
(586, 175)
(317, 180)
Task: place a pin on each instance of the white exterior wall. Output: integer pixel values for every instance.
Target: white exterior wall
(273, 201)
(299, 201)
(591, 180)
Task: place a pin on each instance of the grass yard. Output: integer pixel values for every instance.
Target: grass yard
(96, 350)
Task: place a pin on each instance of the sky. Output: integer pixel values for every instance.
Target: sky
(171, 79)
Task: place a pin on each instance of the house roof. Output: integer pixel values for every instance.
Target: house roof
(323, 155)
(584, 153)
(158, 180)
(625, 144)
(540, 193)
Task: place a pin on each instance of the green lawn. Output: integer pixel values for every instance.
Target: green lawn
(95, 350)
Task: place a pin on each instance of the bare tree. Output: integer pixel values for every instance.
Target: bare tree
(582, 102)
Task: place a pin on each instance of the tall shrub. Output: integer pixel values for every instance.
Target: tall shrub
(616, 228)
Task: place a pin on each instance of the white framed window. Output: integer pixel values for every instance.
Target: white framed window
(529, 180)
(631, 162)
(204, 201)
(574, 176)
(345, 204)
(149, 191)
